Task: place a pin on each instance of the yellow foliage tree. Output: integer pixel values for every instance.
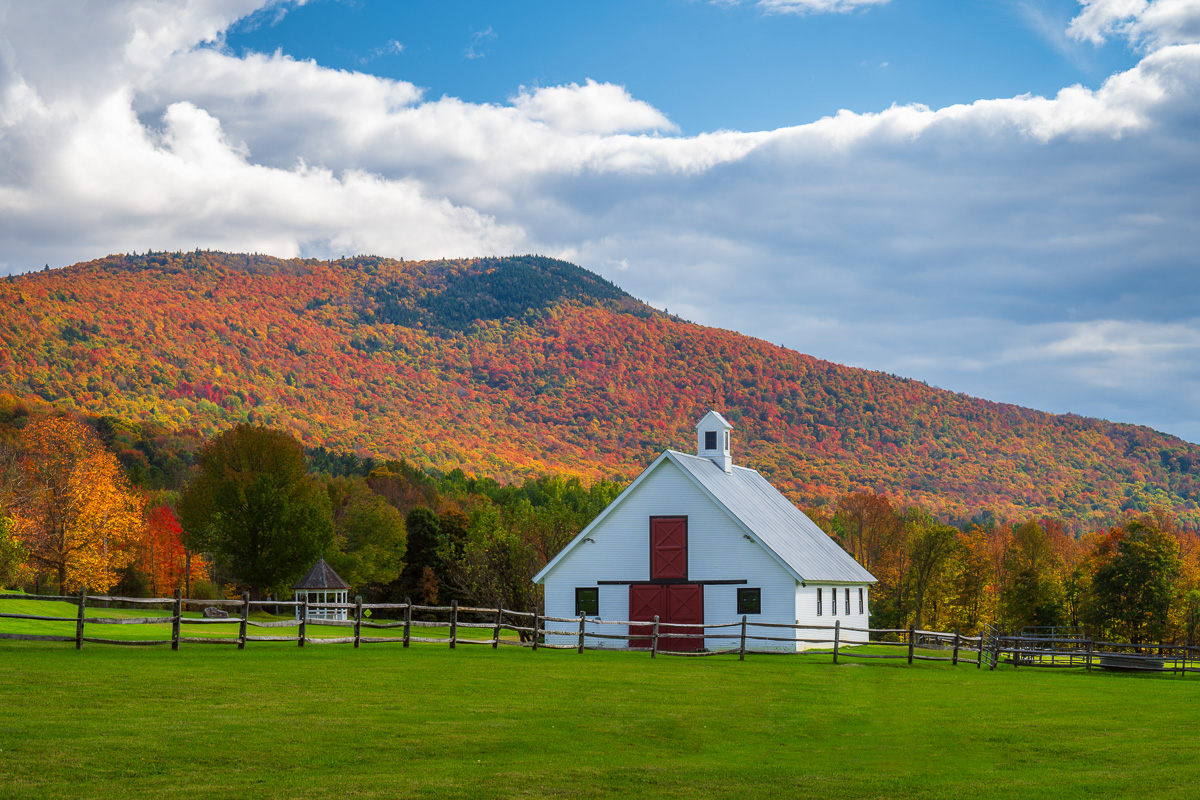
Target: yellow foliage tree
(73, 508)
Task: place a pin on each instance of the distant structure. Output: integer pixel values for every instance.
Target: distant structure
(696, 539)
(322, 585)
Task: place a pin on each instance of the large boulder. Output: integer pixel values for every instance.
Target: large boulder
(212, 612)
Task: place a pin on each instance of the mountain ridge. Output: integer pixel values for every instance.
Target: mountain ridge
(509, 367)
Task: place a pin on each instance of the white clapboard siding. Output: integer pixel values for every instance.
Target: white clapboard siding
(806, 612)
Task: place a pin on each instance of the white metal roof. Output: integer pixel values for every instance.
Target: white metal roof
(767, 517)
(774, 521)
(714, 415)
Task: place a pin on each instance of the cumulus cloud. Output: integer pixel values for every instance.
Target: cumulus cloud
(1148, 23)
(1030, 249)
(591, 108)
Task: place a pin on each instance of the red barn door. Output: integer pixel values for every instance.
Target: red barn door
(685, 603)
(668, 548)
(675, 602)
(645, 602)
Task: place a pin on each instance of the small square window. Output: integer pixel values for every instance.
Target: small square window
(587, 602)
(710, 440)
(749, 601)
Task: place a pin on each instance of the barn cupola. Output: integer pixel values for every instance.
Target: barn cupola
(712, 440)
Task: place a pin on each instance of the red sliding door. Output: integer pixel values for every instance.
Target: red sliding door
(685, 603)
(671, 603)
(645, 603)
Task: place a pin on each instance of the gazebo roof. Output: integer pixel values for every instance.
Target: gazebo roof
(321, 576)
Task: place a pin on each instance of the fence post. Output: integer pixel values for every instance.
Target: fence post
(654, 638)
(496, 632)
(1090, 643)
(954, 660)
(742, 649)
(453, 623)
(407, 619)
(979, 655)
(582, 623)
(1016, 652)
(303, 620)
(175, 622)
(537, 625)
(357, 618)
(242, 624)
(837, 637)
(911, 639)
(79, 621)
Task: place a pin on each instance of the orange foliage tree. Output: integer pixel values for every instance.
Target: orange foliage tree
(164, 559)
(73, 508)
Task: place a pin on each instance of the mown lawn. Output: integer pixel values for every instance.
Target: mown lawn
(383, 721)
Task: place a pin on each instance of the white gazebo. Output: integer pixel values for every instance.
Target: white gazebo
(322, 585)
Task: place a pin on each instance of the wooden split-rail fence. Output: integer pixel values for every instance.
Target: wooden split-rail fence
(910, 644)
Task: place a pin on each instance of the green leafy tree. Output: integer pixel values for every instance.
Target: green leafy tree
(12, 553)
(254, 506)
(1191, 616)
(1033, 594)
(495, 565)
(418, 580)
(368, 533)
(933, 545)
(1132, 591)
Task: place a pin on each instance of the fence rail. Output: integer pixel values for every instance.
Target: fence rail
(988, 648)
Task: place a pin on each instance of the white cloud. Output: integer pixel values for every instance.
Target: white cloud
(815, 6)
(392, 48)
(1045, 243)
(804, 7)
(1149, 23)
(591, 108)
(478, 40)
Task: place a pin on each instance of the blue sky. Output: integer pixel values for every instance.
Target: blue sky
(998, 198)
(706, 66)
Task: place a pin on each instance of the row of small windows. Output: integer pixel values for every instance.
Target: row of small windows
(749, 601)
(587, 601)
(833, 602)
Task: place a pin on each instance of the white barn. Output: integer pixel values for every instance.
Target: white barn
(697, 539)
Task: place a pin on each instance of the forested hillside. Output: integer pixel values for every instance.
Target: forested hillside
(517, 367)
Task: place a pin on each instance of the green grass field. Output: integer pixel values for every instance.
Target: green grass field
(384, 721)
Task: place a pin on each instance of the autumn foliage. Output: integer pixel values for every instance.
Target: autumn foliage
(1138, 581)
(162, 556)
(73, 508)
(514, 368)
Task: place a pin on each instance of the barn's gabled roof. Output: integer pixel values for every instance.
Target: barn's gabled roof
(321, 576)
(765, 515)
(774, 522)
